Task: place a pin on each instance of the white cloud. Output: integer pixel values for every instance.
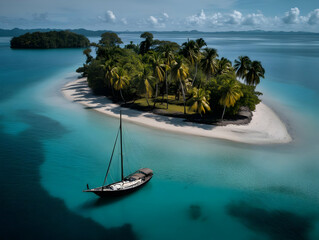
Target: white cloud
(239, 21)
(153, 20)
(198, 19)
(234, 21)
(313, 17)
(235, 17)
(158, 22)
(292, 17)
(165, 15)
(254, 19)
(108, 17)
(219, 19)
(216, 19)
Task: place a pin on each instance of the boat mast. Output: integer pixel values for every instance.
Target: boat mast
(108, 168)
(121, 145)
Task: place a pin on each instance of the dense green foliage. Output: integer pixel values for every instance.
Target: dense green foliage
(164, 72)
(53, 39)
(110, 39)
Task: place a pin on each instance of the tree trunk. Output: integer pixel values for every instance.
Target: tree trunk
(146, 96)
(112, 91)
(163, 91)
(223, 112)
(155, 100)
(122, 96)
(207, 78)
(195, 74)
(177, 94)
(166, 90)
(183, 96)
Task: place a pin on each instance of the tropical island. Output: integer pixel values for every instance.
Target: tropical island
(186, 89)
(52, 39)
(188, 81)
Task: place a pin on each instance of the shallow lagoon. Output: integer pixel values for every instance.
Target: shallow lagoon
(202, 187)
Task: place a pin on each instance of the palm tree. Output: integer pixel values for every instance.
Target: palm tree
(223, 66)
(208, 62)
(241, 66)
(200, 42)
(188, 50)
(180, 74)
(255, 72)
(109, 69)
(199, 100)
(168, 60)
(191, 51)
(230, 93)
(158, 69)
(145, 80)
(120, 80)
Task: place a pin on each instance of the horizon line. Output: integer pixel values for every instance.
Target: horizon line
(156, 31)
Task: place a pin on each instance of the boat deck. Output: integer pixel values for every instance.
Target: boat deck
(129, 184)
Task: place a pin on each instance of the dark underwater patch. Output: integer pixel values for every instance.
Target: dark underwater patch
(27, 210)
(195, 212)
(276, 224)
(41, 126)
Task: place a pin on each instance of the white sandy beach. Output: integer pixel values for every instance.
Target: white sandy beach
(264, 128)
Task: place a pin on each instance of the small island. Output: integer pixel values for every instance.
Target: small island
(188, 81)
(183, 89)
(52, 39)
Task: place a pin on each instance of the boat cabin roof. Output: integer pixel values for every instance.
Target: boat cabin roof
(146, 171)
(141, 173)
(137, 176)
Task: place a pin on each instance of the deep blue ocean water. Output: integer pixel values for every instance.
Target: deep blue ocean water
(202, 188)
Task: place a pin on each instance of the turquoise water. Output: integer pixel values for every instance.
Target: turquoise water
(202, 188)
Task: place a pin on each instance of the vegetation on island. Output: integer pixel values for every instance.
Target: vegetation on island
(53, 39)
(190, 80)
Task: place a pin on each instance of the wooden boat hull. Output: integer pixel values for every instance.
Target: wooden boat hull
(120, 192)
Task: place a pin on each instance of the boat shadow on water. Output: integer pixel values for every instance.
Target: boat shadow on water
(100, 202)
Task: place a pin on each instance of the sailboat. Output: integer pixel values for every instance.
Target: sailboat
(127, 184)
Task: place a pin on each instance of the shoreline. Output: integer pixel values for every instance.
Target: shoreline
(264, 128)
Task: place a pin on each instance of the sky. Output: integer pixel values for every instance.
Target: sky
(162, 15)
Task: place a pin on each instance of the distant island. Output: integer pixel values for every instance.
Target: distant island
(188, 81)
(52, 39)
